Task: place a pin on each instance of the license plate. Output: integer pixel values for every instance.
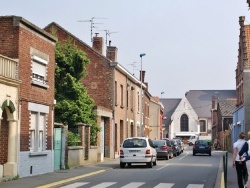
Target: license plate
(134, 151)
(202, 147)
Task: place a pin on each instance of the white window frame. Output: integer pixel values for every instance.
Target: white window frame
(37, 131)
(39, 71)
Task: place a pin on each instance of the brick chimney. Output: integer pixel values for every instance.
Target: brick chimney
(111, 53)
(241, 20)
(142, 76)
(97, 43)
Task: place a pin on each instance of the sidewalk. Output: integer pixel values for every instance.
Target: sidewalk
(60, 176)
(63, 176)
(231, 173)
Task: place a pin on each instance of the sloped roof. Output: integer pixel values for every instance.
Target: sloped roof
(227, 107)
(201, 100)
(169, 108)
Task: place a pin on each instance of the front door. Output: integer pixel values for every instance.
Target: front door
(57, 147)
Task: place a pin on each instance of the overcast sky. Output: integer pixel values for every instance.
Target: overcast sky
(189, 44)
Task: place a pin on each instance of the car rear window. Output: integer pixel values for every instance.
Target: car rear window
(135, 143)
(201, 142)
(159, 143)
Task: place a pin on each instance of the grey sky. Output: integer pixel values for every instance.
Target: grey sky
(189, 44)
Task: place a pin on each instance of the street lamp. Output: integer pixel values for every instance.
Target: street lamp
(141, 55)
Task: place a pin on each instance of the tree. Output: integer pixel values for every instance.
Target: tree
(73, 102)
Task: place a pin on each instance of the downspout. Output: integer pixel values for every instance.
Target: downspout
(113, 64)
(127, 105)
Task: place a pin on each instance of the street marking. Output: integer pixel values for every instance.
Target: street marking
(164, 185)
(184, 156)
(163, 167)
(133, 185)
(70, 179)
(185, 164)
(195, 186)
(103, 185)
(75, 185)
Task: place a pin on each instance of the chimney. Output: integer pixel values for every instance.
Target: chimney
(142, 76)
(97, 43)
(241, 21)
(213, 102)
(111, 53)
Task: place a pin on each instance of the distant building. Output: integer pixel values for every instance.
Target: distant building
(191, 114)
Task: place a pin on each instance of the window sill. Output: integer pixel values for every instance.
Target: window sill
(39, 84)
(38, 153)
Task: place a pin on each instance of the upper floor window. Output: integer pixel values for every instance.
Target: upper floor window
(39, 71)
(203, 126)
(115, 93)
(184, 122)
(121, 96)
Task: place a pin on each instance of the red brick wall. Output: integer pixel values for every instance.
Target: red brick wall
(98, 79)
(4, 132)
(23, 40)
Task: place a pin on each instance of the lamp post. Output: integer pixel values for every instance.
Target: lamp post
(141, 55)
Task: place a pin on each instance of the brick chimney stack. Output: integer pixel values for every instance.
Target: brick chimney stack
(142, 76)
(111, 53)
(97, 43)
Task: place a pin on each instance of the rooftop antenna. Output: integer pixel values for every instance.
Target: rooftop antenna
(134, 66)
(92, 24)
(108, 34)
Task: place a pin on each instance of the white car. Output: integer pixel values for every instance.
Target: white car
(138, 150)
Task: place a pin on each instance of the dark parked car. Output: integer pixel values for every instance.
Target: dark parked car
(173, 145)
(202, 146)
(176, 146)
(162, 149)
(180, 143)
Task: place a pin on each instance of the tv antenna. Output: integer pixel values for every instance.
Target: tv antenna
(108, 33)
(134, 66)
(92, 24)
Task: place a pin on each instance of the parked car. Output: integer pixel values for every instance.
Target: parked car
(176, 146)
(163, 150)
(202, 146)
(138, 150)
(180, 143)
(171, 143)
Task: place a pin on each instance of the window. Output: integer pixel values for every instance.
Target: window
(37, 131)
(121, 96)
(115, 93)
(203, 126)
(39, 70)
(184, 122)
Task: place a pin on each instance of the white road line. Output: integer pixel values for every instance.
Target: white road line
(133, 185)
(183, 156)
(103, 185)
(195, 186)
(164, 185)
(163, 167)
(75, 185)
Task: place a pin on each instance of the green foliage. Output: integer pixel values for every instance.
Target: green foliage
(15, 177)
(73, 138)
(73, 102)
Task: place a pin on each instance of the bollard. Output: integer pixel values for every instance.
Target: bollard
(225, 159)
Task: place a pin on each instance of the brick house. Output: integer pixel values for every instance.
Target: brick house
(241, 117)
(34, 50)
(115, 91)
(9, 90)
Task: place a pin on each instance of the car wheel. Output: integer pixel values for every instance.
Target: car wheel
(154, 163)
(150, 164)
(122, 165)
(193, 153)
(129, 164)
(210, 154)
(167, 157)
